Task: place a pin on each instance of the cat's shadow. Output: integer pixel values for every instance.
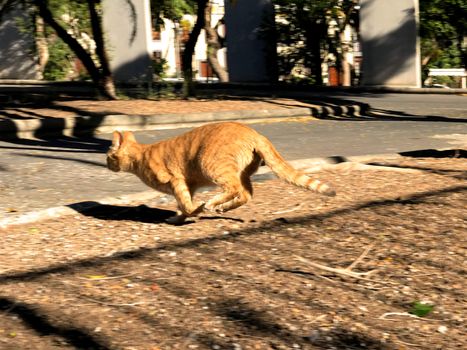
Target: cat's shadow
(140, 213)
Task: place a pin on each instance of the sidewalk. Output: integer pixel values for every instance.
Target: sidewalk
(78, 116)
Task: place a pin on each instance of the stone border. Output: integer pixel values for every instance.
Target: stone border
(27, 128)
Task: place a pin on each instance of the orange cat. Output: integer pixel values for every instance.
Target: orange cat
(223, 154)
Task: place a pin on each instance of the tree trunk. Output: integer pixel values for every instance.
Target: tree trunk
(346, 74)
(41, 45)
(187, 56)
(314, 46)
(101, 81)
(214, 44)
(106, 82)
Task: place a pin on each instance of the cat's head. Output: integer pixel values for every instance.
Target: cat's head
(119, 155)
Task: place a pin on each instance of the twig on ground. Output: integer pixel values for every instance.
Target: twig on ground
(348, 270)
(297, 207)
(339, 271)
(408, 344)
(109, 304)
(360, 258)
(104, 278)
(406, 314)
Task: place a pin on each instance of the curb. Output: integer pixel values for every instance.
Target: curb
(264, 173)
(72, 126)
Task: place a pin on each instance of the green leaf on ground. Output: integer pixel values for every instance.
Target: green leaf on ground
(421, 309)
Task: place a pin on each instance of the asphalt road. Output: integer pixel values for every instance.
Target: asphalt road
(423, 106)
(40, 174)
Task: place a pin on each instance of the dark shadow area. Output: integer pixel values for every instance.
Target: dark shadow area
(431, 153)
(392, 115)
(254, 322)
(434, 153)
(298, 93)
(333, 103)
(246, 318)
(60, 144)
(83, 161)
(141, 213)
(262, 229)
(387, 56)
(221, 218)
(42, 325)
(50, 132)
(16, 56)
(262, 325)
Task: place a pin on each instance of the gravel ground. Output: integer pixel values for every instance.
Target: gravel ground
(289, 270)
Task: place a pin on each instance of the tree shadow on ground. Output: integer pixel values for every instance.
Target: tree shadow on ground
(434, 153)
(331, 103)
(431, 153)
(248, 319)
(39, 322)
(260, 324)
(50, 133)
(257, 230)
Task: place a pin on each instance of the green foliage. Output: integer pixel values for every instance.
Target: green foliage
(302, 33)
(59, 64)
(170, 9)
(421, 309)
(443, 27)
(160, 67)
(74, 16)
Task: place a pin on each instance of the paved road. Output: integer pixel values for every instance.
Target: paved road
(403, 105)
(40, 174)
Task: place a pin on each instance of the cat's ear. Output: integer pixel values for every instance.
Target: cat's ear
(128, 136)
(117, 140)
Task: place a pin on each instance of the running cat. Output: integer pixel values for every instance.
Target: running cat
(224, 154)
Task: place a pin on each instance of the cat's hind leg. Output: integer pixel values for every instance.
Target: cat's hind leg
(235, 193)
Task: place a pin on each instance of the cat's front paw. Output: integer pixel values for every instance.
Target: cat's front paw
(200, 207)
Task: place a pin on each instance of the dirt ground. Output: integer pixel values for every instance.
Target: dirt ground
(289, 270)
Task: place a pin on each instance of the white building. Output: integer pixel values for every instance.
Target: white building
(167, 44)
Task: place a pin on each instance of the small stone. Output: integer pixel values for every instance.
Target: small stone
(442, 329)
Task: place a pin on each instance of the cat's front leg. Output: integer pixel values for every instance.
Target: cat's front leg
(182, 194)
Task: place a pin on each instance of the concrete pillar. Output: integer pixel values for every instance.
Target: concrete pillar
(17, 58)
(390, 47)
(127, 28)
(250, 57)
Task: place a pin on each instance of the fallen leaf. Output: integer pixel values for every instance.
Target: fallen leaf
(96, 277)
(421, 309)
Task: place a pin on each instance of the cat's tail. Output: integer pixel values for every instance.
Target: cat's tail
(284, 171)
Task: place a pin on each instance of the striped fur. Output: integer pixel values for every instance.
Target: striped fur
(222, 154)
